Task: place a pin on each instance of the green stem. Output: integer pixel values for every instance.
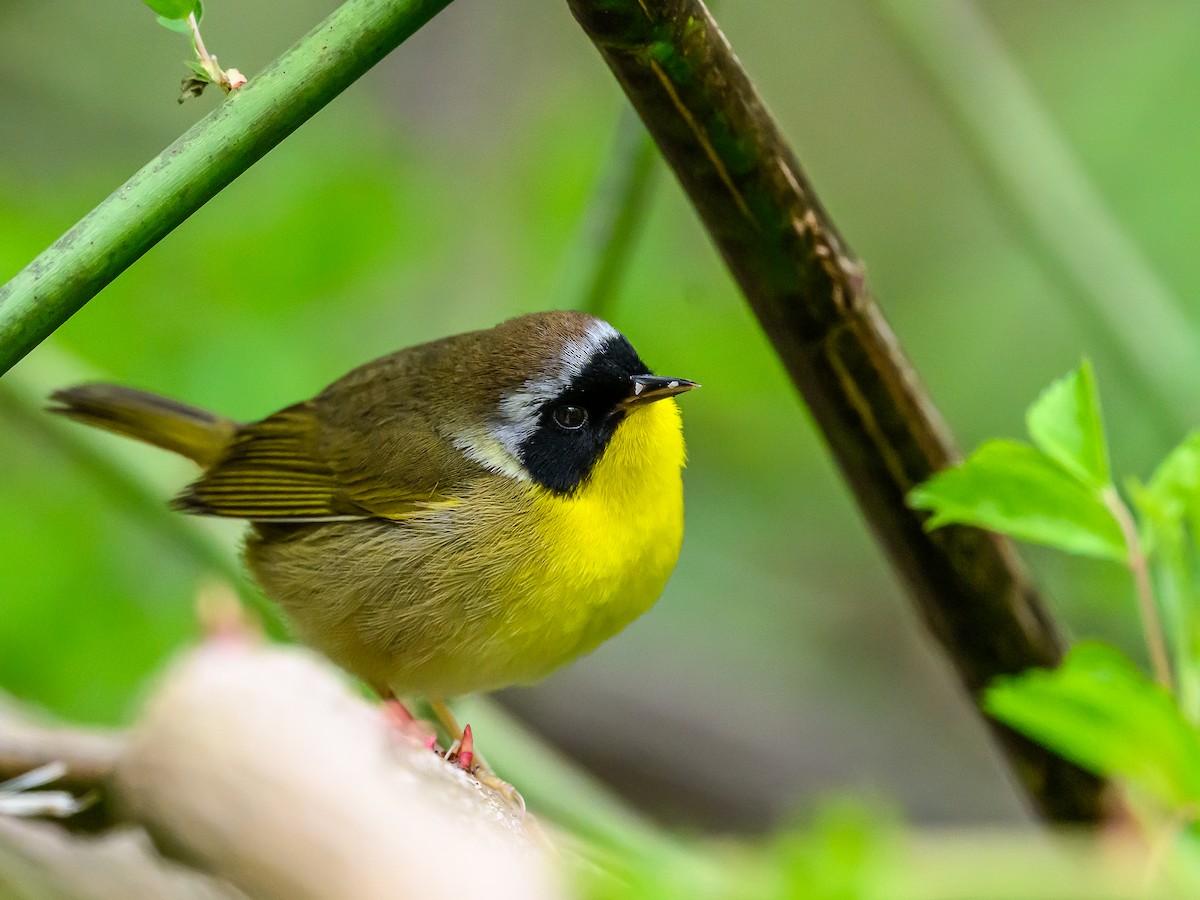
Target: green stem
(614, 218)
(197, 40)
(199, 164)
(1055, 209)
(1156, 640)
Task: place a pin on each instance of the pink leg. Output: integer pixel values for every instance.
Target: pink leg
(404, 722)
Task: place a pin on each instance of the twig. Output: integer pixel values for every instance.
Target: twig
(210, 70)
(808, 291)
(42, 861)
(198, 42)
(1156, 640)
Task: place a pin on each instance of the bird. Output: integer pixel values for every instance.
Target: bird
(455, 517)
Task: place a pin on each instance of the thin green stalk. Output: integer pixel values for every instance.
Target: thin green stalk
(1139, 567)
(1057, 211)
(205, 159)
(613, 220)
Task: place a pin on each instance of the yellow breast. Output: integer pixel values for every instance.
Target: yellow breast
(604, 553)
(501, 587)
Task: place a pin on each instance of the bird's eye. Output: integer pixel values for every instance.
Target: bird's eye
(570, 417)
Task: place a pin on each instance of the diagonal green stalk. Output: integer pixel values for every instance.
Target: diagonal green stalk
(199, 164)
(1055, 208)
(1139, 567)
(613, 219)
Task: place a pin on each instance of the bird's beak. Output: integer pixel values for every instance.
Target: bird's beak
(648, 388)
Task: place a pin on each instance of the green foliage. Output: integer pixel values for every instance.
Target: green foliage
(198, 69)
(1099, 711)
(1057, 493)
(1020, 490)
(1065, 424)
(852, 851)
(1169, 510)
(184, 16)
(848, 851)
(1173, 492)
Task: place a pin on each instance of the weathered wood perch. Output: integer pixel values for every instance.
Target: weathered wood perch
(255, 771)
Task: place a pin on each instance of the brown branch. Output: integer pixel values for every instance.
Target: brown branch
(261, 765)
(809, 293)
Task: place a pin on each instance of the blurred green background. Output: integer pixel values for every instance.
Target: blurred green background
(445, 192)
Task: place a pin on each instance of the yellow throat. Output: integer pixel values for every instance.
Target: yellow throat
(609, 548)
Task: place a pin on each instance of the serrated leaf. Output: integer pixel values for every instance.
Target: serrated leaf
(1066, 425)
(172, 9)
(1018, 490)
(1100, 712)
(1175, 484)
(1169, 504)
(179, 25)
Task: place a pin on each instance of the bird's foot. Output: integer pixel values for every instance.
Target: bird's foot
(462, 755)
(462, 752)
(404, 723)
(493, 782)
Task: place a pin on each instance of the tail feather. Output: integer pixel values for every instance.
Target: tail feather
(186, 430)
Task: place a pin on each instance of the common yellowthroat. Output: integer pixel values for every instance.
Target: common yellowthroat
(455, 517)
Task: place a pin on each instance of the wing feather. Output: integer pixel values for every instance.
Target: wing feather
(288, 467)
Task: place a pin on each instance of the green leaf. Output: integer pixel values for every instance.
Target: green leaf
(1065, 424)
(201, 72)
(1174, 488)
(172, 9)
(179, 25)
(848, 850)
(1100, 712)
(198, 9)
(1169, 505)
(1018, 490)
(1169, 518)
